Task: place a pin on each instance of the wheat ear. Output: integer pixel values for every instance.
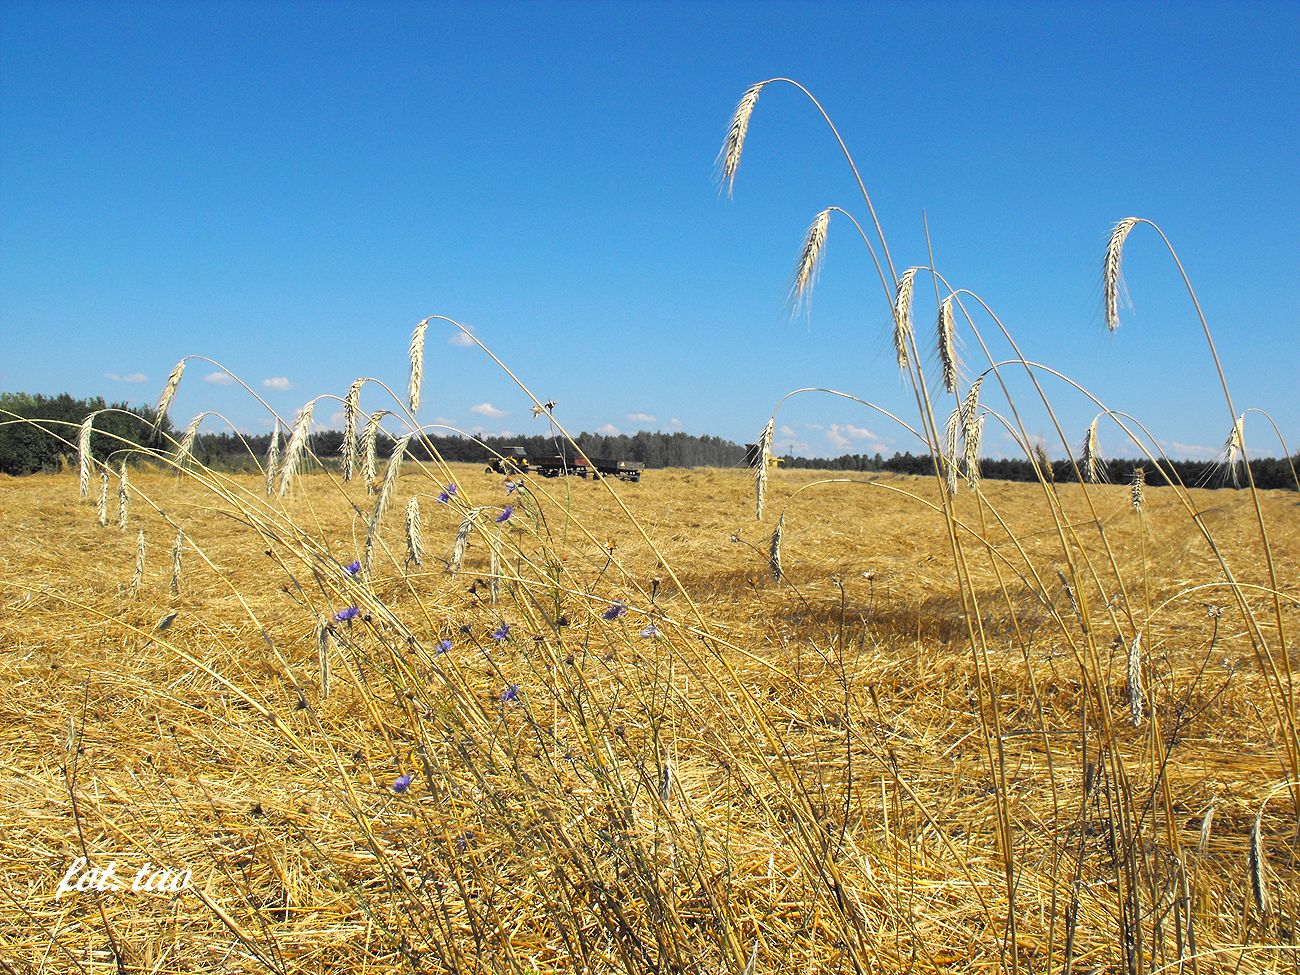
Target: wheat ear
(323, 656)
(814, 247)
(947, 346)
(1110, 269)
(414, 535)
(774, 550)
(735, 143)
(138, 575)
(178, 545)
(417, 364)
(83, 456)
(123, 499)
(102, 507)
(351, 406)
(391, 473)
(186, 448)
(461, 540)
(168, 393)
(494, 568)
(1233, 449)
(1203, 842)
(1094, 466)
(273, 459)
(903, 315)
(1255, 860)
(764, 452)
(1137, 489)
(368, 447)
(297, 445)
(1135, 698)
(972, 432)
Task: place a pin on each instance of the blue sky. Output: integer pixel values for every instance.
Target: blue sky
(289, 187)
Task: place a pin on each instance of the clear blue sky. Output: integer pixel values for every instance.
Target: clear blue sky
(289, 187)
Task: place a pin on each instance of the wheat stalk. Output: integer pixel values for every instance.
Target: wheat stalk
(123, 499)
(138, 575)
(1137, 489)
(351, 406)
(810, 259)
(947, 346)
(1255, 861)
(1110, 269)
(760, 474)
(273, 459)
(178, 544)
(462, 538)
(1135, 694)
(903, 315)
(774, 550)
(417, 364)
(83, 455)
(414, 536)
(102, 507)
(297, 445)
(735, 142)
(169, 391)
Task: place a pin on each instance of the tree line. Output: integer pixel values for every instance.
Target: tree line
(49, 442)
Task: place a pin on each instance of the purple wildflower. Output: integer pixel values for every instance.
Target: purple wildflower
(402, 784)
(614, 612)
(344, 615)
(511, 693)
(650, 632)
(353, 568)
(505, 515)
(447, 494)
(511, 487)
(443, 646)
(501, 632)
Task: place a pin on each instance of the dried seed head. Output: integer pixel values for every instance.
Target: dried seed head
(417, 364)
(169, 391)
(1110, 270)
(494, 568)
(414, 536)
(810, 259)
(950, 458)
(273, 459)
(761, 459)
(903, 315)
(138, 576)
(1044, 462)
(1137, 489)
(1203, 843)
(123, 499)
(462, 539)
(391, 473)
(1255, 860)
(972, 431)
(177, 545)
(351, 406)
(83, 456)
(947, 346)
(297, 447)
(369, 440)
(731, 149)
(323, 655)
(1091, 462)
(1069, 594)
(774, 551)
(1135, 698)
(103, 499)
(186, 448)
(1233, 451)
(666, 782)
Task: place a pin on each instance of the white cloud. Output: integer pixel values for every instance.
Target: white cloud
(609, 430)
(1192, 451)
(460, 339)
(135, 377)
(487, 409)
(674, 422)
(813, 426)
(793, 447)
(219, 378)
(445, 421)
(640, 418)
(337, 418)
(786, 431)
(842, 435)
(279, 383)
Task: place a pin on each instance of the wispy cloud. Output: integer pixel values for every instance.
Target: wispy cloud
(640, 418)
(674, 422)
(487, 409)
(793, 447)
(609, 430)
(1192, 451)
(279, 383)
(843, 435)
(219, 378)
(460, 339)
(786, 431)
(134, 377)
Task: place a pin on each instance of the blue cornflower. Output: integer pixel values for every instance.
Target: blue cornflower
(402, 784)
(501, 632)
(650, 632)
(443, 646)
(353, 568)
(344, 615)
(505, 515)
(511, 693)
(511, 488)
(614, 612)
(447, 494)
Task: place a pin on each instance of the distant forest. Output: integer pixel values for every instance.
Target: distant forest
(26, 448)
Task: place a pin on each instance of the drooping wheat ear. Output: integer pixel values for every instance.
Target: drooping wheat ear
(1069, 594)
(1255, 860)
(368, 446)
(138, 576)
(1110, 269)
(178, 544)
(1135, 699)
(1233, 450)
(391, 473)
(462, 538)
(494, 569)
(123, 499)
(950, 459)
(972, 431)
(666, 781)
(731, 149)
(774, 551)
(273, 459)
(417, 364)
(1093, 464)
(1137, 489)
(948, 346)
(1203, 843)
(186, 448)
(1044, 462)
(84, 459)
(762, 456)
(414, 536)
(351, 406)
(805, 275)
(323, 656)
(103, 499)
(169, 391)
(297, 445)
(903, 315)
